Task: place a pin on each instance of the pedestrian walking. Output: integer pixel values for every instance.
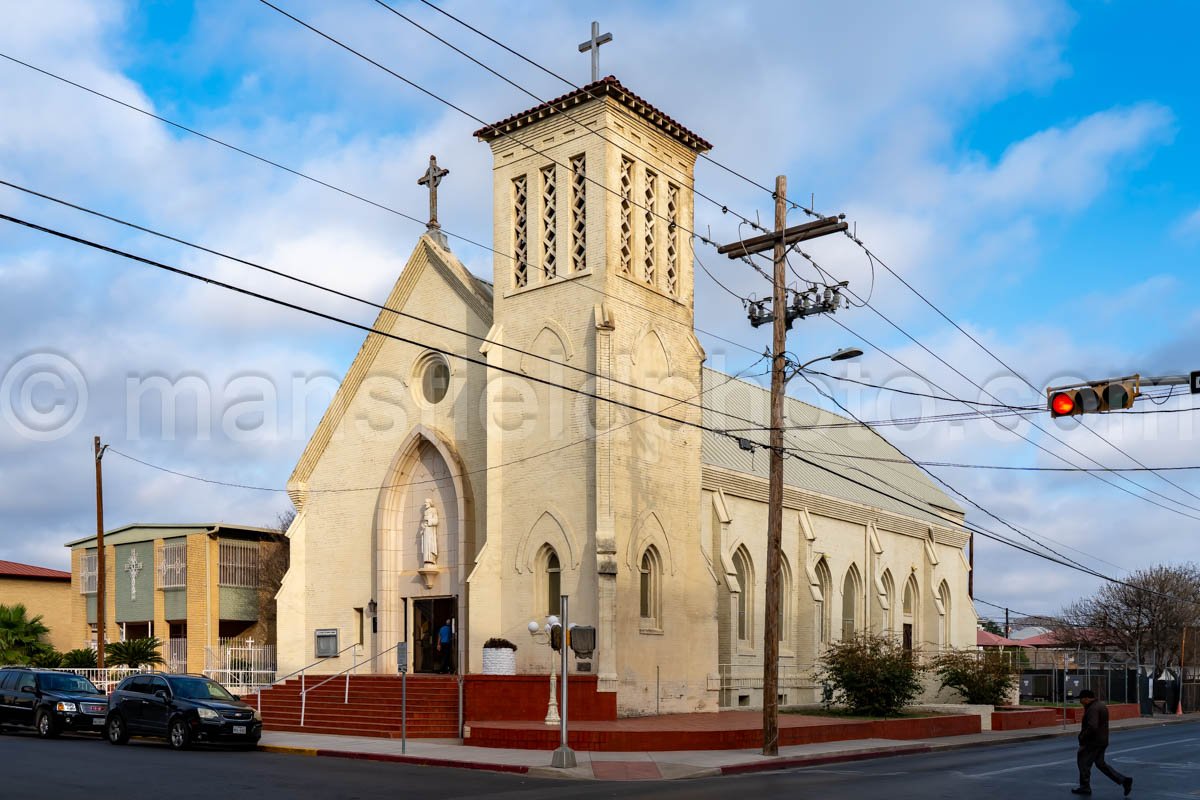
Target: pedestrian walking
(1093, 741)
(445, 647)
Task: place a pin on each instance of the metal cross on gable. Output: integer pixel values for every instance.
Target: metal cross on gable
(133, 566)
(432, 177)
(593, 44)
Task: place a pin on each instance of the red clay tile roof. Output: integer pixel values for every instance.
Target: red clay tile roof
(11, 569)
(605, 87)
(988, 639)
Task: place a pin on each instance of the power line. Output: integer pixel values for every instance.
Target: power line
(958, 372)
(944, 483)
(469, 359)
(376, 204)
(467, 473)
(586, 126)
(1020, 435)
(809, 211)
(487, 125)
(355, 298)
(1004, 364)
(350, 323)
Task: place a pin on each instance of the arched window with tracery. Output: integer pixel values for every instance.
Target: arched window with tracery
(823, 606)
(745, 599)
(944, 615)
(851, 590)
(650, 594)
(912, 594)
(887, 620)
(550, 579)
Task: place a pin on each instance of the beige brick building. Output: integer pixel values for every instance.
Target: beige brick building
(195, 587)
(508, 421)
(45, 593)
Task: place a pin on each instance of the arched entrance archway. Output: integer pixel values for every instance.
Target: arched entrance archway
(415, 599)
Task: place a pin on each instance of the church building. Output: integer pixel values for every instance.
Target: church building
(555, 431)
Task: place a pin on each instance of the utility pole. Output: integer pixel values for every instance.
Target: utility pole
(1007, 629)
(781, 319)
(100, 568)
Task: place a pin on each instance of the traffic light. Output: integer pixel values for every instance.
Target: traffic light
(1095, 398)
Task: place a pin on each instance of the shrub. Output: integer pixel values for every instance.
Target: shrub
(48, 658)
(134, 653)
(496, 643)
(83, 658)
(982, 678)
(870, 675)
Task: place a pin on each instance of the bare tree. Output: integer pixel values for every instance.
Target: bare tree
(1148, 616)
(272, 566)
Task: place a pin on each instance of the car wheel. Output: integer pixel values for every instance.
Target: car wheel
(116, 729)
(178, 735)
(45, 724)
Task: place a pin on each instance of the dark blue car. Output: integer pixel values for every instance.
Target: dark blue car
(50, 702)
(183, 709)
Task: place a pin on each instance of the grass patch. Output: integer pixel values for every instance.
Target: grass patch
(845, 713)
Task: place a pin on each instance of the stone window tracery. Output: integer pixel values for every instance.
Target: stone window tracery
(649, 265)
(626, 216)
(579, 213)
(851, 589)
(673, 239)
(549, 222)
(520, 232)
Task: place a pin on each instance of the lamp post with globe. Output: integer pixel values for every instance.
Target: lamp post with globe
(541, 633)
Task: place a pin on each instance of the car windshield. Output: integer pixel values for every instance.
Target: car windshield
(66, 682)
(199, 689)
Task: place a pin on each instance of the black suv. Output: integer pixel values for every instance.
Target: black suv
(182, 708)
(50, 702)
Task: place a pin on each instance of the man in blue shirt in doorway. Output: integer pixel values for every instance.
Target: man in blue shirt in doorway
(445, 647)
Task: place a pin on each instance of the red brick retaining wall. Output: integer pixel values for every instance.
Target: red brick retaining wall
(1016, 719)
(659, 734)
(524, 697)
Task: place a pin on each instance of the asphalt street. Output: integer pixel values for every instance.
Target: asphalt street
(1165, 763)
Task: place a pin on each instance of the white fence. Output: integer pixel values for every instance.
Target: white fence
(105, 679)
(242, 665)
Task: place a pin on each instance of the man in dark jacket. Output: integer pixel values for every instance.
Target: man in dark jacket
(1093, 741)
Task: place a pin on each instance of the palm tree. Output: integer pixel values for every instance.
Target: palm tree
(20, 636)
(134, 653)
(83, 658)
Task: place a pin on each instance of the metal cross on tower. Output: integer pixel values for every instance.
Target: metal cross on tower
(432, 177)
(593, 44)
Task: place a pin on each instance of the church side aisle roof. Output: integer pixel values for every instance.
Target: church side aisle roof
(745, 399)
(605, 87)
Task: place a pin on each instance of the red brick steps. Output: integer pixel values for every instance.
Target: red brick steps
(373, 708)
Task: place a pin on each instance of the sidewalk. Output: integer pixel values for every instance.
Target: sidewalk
(652, 766)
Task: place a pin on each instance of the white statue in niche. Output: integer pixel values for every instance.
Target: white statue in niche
(428, 534)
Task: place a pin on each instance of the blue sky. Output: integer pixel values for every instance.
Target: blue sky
(1031, 167)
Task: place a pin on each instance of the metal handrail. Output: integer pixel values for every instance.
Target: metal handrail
(304, 691)
(299, 672)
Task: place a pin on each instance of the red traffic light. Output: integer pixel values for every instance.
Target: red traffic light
(1063, 404)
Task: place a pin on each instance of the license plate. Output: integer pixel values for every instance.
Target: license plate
(239, 729)
(97, 722)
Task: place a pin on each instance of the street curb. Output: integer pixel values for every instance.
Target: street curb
(817, 760)
(865, 755)
(420, 761)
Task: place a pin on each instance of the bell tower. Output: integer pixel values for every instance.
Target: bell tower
(593, 208)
